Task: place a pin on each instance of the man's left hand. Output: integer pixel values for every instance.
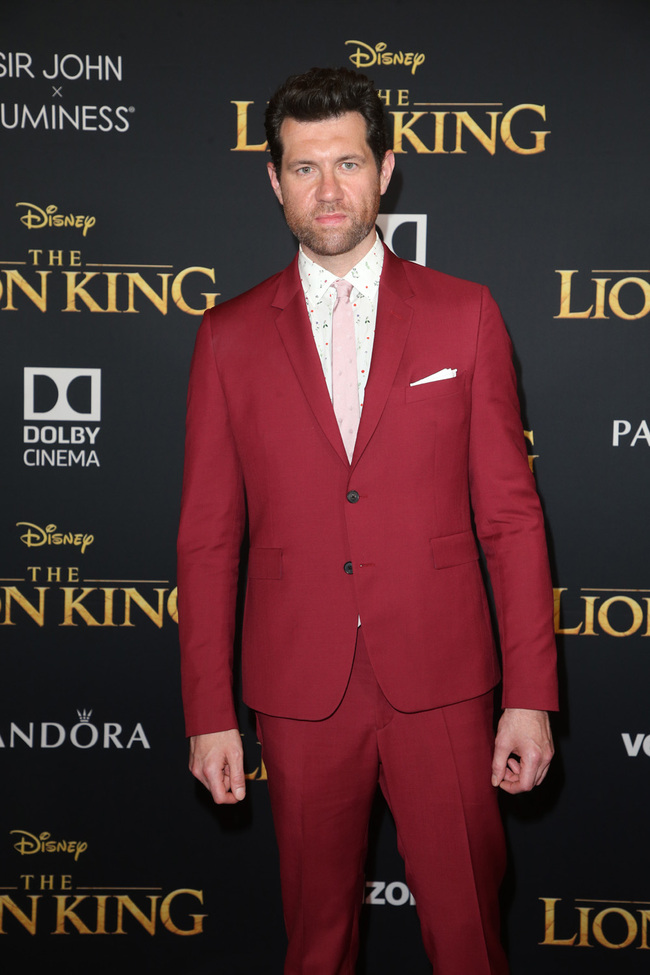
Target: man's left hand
(523, 750)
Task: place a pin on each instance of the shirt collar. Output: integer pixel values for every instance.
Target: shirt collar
(364, 276)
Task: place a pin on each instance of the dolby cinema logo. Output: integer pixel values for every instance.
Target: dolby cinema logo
(405, 234)
(62, 410)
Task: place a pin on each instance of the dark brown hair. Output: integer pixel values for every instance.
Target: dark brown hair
(323, 93)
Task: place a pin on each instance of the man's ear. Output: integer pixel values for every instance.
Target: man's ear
(386, 171)
(275, 182)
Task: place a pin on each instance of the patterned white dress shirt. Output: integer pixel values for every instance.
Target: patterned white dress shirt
(320, 295)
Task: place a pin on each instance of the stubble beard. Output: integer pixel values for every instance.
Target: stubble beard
(333, 241)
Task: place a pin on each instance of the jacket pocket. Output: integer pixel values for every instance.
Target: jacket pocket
(265, 563)
(436, 389)
(454, 549)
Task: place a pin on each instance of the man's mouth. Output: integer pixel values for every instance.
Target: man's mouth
(330, 219)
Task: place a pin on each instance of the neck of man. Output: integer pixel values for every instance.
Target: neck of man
(340, 264)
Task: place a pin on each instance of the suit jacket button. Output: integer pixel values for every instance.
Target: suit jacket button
(352, 496)
(348, 568)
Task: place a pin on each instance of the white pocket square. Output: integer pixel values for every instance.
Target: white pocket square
(434, 377)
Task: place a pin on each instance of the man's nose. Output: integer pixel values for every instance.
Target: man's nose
(329, 188)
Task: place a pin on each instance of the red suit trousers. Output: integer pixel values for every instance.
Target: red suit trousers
(434, 770)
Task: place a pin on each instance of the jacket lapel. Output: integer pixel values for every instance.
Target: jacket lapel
(392, 327)
(292, 322)
(391, 330)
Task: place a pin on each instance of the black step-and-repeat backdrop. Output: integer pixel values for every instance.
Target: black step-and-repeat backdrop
(134, 195)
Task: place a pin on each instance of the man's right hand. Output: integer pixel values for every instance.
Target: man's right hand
(217, 760)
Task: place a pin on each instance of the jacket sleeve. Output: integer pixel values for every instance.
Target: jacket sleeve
(209, 541)
(509, 522)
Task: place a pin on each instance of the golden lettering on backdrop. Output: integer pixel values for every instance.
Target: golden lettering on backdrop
(35, 537)
(36, 218)
(61, 277)
(441, 135)
(447, 132)
(242, 144)
(366, 55)
(613, 612)
(47, 912)
(51, 599)
(614, 925)
(111, 291)
(86, 605)
(397, 96)
(259, 772)
(530, 437)
(28, 844)
(47, 901)
(606, 297)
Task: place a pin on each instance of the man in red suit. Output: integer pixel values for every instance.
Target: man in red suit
(366, 472)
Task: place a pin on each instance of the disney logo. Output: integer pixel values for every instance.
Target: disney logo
(365, 56)
(36, 218)
(28, 843)
(34, 537)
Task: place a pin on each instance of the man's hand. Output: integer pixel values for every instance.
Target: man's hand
(217, 760)
(526, 735)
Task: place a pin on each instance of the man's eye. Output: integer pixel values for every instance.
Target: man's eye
(304, 169)
(349, 166)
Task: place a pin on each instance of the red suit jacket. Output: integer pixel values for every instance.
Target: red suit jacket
(389, 537)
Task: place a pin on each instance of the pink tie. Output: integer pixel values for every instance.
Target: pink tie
(345, 383)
